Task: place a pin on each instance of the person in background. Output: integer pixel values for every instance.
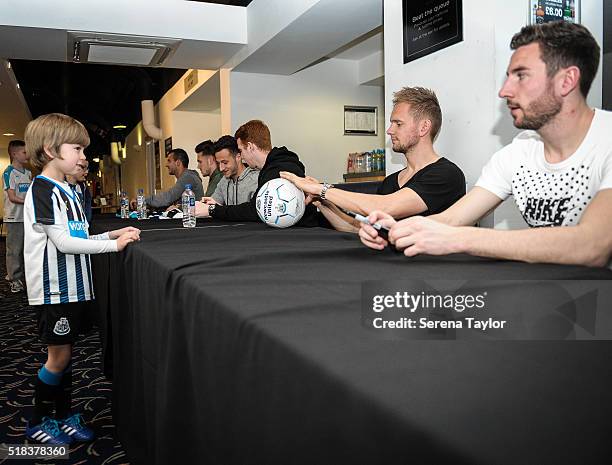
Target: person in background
(78, 183)
(16, 180)
(208, 166)
(177, 162)
(239, 182)
(255, 145)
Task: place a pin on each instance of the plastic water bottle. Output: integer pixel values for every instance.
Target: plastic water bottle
(141, 205)
(188, 204)
(125, 205)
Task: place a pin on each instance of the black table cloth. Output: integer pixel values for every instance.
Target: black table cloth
(242, 344)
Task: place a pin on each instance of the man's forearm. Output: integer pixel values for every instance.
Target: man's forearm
(569, 245)
(339, 221)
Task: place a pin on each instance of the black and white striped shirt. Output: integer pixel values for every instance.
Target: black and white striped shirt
(57, 245)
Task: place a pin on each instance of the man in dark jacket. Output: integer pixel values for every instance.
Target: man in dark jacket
(256, 149)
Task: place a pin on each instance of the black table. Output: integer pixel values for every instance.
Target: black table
(243, 344)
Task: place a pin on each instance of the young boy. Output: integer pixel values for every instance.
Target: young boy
(58, 270)
(16, 180)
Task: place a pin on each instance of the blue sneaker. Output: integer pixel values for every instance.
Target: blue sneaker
(48, 432)
(74, 427)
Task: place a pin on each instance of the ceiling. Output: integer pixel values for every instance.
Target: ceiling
(362, 47)
(105, 95)
(100, 96)
(226, 2)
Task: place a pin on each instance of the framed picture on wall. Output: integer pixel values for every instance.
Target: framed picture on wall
(545, 11)
(360, 121)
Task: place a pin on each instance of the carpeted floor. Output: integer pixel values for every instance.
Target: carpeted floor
(21, 355)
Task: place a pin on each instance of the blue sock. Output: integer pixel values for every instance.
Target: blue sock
(48, 377)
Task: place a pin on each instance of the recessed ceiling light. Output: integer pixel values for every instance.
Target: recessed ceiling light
(8, 134)
(8, 64)
(96, 159)
(119, 126)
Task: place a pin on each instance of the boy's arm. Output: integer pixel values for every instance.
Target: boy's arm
(12, 197)
(100, 237)
(65, 243)
(9, 186)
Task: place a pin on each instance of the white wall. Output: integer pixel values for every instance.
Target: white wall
(191, 128)
(467, 77)
(305, 112)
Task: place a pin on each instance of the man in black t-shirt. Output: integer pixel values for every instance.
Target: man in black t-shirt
(429, 184)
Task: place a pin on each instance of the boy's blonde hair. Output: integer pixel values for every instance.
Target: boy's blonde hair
(51, 131)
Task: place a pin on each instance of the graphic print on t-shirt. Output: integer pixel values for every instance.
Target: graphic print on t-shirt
(552, 199)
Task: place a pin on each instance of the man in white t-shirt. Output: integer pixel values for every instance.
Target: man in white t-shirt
(559, 170)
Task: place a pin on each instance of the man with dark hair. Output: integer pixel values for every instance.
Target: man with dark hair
(239, 182)
(177, 162)
(559, 170)
(16, 181)
(428, 185)
(208, 165)
(254, 142)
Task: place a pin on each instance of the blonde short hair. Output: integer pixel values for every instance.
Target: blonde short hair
(50, 132)
(423, 105)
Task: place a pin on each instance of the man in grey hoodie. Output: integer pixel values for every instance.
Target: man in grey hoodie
(177, 162)
(239, 182)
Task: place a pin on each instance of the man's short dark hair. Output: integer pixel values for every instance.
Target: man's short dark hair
(227, 142)
(206, 148)
(180, 155)
(14, 145)
(563, 44)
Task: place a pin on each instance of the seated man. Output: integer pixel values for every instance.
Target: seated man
(177, 162)
(429, 184)
(239, 182)
(559, 170)
(208, 166)
(253, 139)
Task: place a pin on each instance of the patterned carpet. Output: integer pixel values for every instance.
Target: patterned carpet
(21, 355)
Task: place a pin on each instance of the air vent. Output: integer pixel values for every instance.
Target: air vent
(93, 47)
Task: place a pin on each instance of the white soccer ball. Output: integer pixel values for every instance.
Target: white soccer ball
(279, 203)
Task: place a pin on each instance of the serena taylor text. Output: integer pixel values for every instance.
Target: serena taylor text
(454, 304)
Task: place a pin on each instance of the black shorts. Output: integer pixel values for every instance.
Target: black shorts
(60, 324)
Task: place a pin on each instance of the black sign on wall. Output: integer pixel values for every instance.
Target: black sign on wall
(168, 145)
(431, 26)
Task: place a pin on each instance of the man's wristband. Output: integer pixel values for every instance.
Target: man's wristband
(326, 187)
(211, 209)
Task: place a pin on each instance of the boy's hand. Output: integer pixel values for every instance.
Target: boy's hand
(118, 232)
(126, 238)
